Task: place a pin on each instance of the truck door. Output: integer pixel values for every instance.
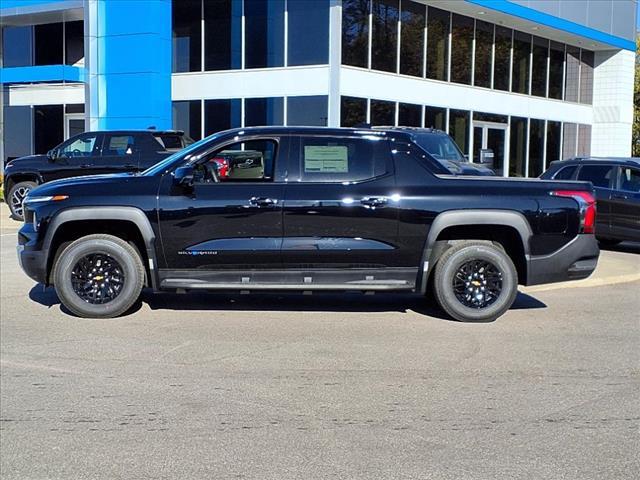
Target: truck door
(232, 216)
(340, 208)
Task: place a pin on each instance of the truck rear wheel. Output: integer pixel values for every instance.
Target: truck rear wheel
(475, 281)
(98, 276)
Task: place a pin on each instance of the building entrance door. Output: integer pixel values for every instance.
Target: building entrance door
(73, 125)
(491, 138)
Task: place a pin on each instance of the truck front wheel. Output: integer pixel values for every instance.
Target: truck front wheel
(475, 281)
(98, 276)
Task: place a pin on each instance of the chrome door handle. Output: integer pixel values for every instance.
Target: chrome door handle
(262, 202)
(374, 202)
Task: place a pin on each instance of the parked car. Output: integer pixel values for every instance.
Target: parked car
(617, 185)
(328, 209)
(89, 153)
(442, 147)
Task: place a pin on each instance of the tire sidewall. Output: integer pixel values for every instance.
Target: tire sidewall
(10, 197)
(69, 258)
(447, 271)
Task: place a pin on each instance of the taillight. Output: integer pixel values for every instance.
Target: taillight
(587, 204)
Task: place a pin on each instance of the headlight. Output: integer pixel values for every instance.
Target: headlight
(50, 198)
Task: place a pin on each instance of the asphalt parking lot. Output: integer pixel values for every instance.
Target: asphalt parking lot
(323, 386)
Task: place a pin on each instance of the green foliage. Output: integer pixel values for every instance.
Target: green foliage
(635, 142)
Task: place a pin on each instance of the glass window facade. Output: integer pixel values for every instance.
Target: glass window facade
(540, 51)
(384, 41)
(502, 61)
(569, 140)
(413, 18)
(459, 128)
(187, 35)
(521, 52)
(484, 47)
(554, 130)
(73, 42)
(435, 117)
(221, 115)
(355, 32)
(48, 44)
(584, 141)
(353, 111)
(187, 117)
(572, 76)
(438, 22)
(263, 111)
(309, 110)
(308, 32)
(461, 48)
(222, 34)
(383, 113)
(264, 33)
(586, 76)
(518, 147)
(48, 127)
(536, 147)
(409, 115)
(556, 69)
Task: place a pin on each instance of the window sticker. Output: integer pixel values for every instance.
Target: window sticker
(326, 159)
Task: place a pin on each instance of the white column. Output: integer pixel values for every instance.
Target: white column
(612, 103)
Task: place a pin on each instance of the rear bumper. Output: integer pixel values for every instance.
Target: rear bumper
(575, 261)
(33, 261)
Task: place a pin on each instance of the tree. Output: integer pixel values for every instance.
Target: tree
(635, 143)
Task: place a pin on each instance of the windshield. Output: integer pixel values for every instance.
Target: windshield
(440, 146)
(178, 156)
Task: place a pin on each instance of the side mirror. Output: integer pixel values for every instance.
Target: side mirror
(52, 154)
(183, 176)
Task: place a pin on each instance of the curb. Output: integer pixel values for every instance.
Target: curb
(595, 282)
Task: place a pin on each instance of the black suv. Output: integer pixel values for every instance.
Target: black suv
(617, 186)
(442, 147)
(89, 153)
(307, 209)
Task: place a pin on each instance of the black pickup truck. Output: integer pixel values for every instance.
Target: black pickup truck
(89, 153)
(306, 209)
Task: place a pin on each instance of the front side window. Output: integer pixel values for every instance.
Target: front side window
(599, 175)
(630, 179)
(342, 159)
(249, 161)
(439, 146)
(80, 147)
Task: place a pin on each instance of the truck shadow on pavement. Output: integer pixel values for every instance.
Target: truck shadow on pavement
(288, 302)
(624, 247)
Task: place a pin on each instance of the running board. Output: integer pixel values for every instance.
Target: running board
(388, 279)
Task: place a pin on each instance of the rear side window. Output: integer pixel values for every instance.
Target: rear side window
(342, 159)
(599, 175)
(119, 145)
(565, 173)
(171, 142)
(630, 179)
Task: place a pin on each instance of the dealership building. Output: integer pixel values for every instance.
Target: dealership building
(532, 80)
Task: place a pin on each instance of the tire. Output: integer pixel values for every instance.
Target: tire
(471, 256)
(16, 196)
(608, 242)
(108, 293)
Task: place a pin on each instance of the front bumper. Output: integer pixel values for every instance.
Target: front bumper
(575, 261)
(33, 261)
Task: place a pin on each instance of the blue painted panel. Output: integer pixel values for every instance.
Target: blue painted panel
(43, 73)
(510, 8)
(131, 74)
(26, 3)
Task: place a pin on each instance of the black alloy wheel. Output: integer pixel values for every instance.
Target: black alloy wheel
(477, 283)
(97, 278)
